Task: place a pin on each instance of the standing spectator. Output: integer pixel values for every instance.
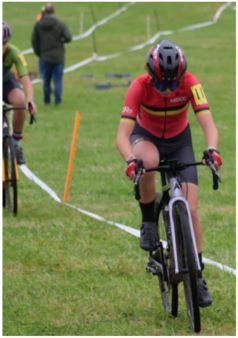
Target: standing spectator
(48, 39)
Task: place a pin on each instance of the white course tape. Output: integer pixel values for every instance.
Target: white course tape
(93, 28)
(102, 22)
(29, 174)
(126, 228)
(150, 41)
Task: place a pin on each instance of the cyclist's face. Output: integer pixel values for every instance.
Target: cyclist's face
(167, 92)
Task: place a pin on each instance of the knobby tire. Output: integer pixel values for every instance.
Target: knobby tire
(168, 290)
(188, 264)
(10, 184)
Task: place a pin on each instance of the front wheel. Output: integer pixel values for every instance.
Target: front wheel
(187, 264)
(10, 176)
(168, 290)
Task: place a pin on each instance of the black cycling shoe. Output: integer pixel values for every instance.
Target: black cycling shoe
(204, 297)
(149, 238)
(19, 155)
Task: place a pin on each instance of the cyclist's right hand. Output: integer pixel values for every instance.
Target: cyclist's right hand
(132, 166)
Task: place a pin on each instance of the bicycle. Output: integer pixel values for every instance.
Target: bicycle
(10, 175)
(176, 259)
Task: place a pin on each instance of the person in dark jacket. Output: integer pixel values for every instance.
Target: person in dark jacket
(48, 39)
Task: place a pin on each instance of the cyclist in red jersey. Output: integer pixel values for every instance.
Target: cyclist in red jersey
(154, 126)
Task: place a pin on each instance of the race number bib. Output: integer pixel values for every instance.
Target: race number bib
(198, 95)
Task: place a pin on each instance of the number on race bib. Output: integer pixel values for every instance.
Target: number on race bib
(199, 95)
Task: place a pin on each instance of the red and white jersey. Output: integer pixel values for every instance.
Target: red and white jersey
(164, 117)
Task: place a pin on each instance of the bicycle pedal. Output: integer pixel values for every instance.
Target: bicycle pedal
(150, 268)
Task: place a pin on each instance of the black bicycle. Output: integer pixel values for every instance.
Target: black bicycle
(10, 173)
(176, 259)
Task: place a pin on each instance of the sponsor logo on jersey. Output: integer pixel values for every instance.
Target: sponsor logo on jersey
(127, 110)
(179, 99)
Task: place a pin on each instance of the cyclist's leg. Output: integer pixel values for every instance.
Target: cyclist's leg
(13, 94)
(148, 153)
(144, 149)
(190, 191)
(16, 98)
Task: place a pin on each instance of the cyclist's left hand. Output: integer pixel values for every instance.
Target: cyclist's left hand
(215, 158)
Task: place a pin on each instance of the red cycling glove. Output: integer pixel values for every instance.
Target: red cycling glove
(131, 168)
(132, 165)
(216, 158)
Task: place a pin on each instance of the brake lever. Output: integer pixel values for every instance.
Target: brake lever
(32, 116)
(136, 184)
(215, 176)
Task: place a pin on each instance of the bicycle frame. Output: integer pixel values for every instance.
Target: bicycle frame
(170, 181)
(177, 260)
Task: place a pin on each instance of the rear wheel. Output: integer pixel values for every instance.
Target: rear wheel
(168, 289)
(187, 263)
(10, 176)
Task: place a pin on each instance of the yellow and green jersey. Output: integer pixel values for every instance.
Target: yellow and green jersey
(14, 57)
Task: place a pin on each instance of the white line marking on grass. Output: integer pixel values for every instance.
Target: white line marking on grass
(29, 174)
(92, 28)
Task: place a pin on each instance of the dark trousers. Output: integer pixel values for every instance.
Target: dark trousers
(55, 72)
(41, 67)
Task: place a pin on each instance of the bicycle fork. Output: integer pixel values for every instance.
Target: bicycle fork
(177, 196)
(9, 173)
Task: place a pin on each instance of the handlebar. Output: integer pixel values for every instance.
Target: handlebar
(6, 108)
(175, 166)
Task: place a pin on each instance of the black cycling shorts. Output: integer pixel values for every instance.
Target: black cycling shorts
(176, 148)
(9, 83)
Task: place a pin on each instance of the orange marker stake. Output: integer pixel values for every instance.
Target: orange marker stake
(71, 156)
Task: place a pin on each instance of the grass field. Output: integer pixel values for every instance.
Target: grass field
(67, 274)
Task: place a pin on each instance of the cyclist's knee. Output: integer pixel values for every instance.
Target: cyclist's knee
(17, 98)
(148, 153)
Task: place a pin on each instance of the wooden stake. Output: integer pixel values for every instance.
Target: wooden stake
(71, 156)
